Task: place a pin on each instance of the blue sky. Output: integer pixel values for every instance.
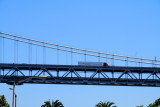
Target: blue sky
(127, 27)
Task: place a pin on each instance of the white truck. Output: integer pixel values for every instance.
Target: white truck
(81, 63)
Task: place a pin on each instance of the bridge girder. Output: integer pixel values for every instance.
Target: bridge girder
(80, 75)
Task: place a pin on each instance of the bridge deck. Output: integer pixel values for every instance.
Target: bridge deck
(84, 75)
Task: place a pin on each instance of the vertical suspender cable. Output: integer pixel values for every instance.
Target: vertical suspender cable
(14, 51)
(3, 50)
(57, 55)
(66, 58)
(17, 51)
(126, 62)
(71, 56)
(44, 54)
(98, 57)
(155, 61)
(141, 62)
(113, 60)
(85, 56)
(136, 60)
(0, 49)
(106, 58)
(152, 63)
(30, 53)
(36, 54)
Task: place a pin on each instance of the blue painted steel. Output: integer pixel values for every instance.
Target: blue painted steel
(80, 75)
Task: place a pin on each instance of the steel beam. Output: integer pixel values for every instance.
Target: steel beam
(80, 75)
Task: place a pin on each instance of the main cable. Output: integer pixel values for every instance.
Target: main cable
(81, 49)
(71, 51)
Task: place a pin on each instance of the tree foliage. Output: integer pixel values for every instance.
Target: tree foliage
(105, 104)
(3, 101)
(56, 103)
(140, 106)
(155, 103)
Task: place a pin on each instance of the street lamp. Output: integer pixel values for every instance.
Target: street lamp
(14, 96)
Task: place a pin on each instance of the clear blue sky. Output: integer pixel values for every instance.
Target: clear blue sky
(127, 27)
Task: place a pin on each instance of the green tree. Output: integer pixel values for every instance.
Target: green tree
(152, 105)
(3, 101)
(56, 103)
(140, 106)
(105, 104)
(155, 103)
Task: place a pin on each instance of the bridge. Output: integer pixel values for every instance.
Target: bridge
(20, 60)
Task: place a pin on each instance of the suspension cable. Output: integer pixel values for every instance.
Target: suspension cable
(71, 51)
(115, 55)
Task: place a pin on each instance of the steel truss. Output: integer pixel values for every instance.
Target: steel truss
(82, 75)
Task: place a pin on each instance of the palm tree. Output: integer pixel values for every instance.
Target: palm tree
(56, 103)
(105, 104)
(47, 104)
(3, 101)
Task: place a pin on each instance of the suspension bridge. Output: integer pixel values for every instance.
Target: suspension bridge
(23, 58)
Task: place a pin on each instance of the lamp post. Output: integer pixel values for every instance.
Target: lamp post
(15, 100)
(14, 96)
